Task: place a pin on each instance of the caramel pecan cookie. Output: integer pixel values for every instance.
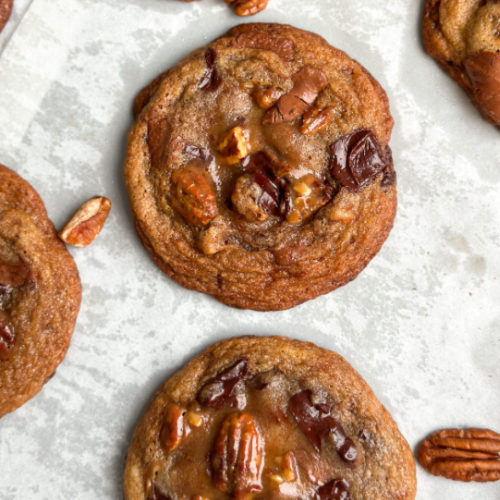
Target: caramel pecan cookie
(5, 12)
(464, 37)
(268, 418)
(258, 168)
(39, 293)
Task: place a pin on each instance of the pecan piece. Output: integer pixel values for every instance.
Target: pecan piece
(357, 159)
(251, 38)
(225, 388)
(317, 119)
(235, 145)
(7, 339)
(338, 489)
(303, 197)
(462, 455)
(267, 98)
(238, 457)
(211, 81)
(192, 196)
(307, 84)
(247, 7)
(13, 275)
(86, 224)
(175, 429)
(483, 69)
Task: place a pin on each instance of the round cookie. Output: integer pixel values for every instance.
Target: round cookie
(5, 12)
(258, 169)
(464, 37)
(267, 418)
(40, 293)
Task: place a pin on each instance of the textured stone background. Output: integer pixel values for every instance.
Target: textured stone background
(421, 324)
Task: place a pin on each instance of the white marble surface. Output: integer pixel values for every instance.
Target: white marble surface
(421, 324)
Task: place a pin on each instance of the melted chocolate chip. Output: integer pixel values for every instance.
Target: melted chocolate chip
(13, 275)
(222, 390)
(357, 159)
(211, 81)
(157, 494)
(7, 339)
(337, 489)
(307, 84)
(316, 422)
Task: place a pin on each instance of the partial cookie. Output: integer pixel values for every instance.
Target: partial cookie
(40, 293)
(267, 418)
(259, 170)
(5, 12)
(464, 37)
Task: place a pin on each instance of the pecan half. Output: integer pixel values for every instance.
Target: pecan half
(175, 428)
(317, 119)
(192, 196)
(225, 388)
(7, 339)
(284, 47)
(247, 7)
(307, 84)
(86, 224)
(238, 456)
(462, 455)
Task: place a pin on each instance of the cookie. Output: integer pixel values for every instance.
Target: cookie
(464, 37)
(5, 12)
(40, 293)
(258, 169)
(267, 418)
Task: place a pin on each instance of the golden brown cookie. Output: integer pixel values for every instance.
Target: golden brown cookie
(464, 37)
(5, 12)
(40, 293)
(268, 418)
(258, 168)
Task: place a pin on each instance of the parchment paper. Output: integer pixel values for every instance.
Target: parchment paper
(421, 323)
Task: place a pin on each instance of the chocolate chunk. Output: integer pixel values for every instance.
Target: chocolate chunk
(307, 84)
(159, 138)
(224, 389)
(284, 47)
(196, 152)
(157, 494)
(7, 339)
(338, 489)
(483, 69)
(211, 81)
(13, 275)
(357, 159)
(316, 422)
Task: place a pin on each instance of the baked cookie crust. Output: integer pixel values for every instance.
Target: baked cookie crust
(285, 99)
(382, 468)
(40, 293)
(464, 37)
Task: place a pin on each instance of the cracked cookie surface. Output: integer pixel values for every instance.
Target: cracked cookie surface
(464, 37)
(258, 168)
(40, 293)
(269, 417)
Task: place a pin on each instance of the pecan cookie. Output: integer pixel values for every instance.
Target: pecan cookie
(258, 168)
(464, 37)
(39, 293)
(5, 12)
(268, 418)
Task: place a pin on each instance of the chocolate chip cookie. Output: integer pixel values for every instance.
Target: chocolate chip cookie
(259, 170)
(5, 12)
(268, 418)
(40, 293)
(464, 37)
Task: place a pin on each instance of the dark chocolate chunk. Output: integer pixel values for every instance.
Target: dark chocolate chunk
(222, 390)
(211, 81)
(7, 339)
(196, 152)
(357, 159)
(157, 494)
(338, 489)
(13, 275)
(316, 422)
(307, 84)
